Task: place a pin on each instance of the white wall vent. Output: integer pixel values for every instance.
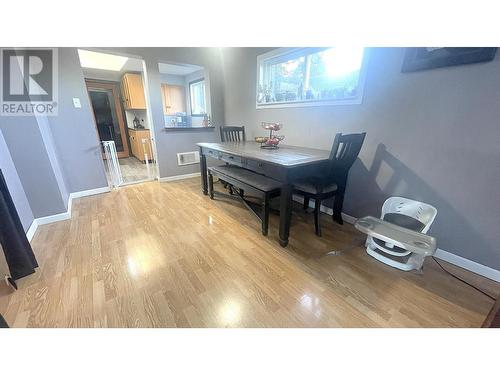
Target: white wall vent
(185, 158)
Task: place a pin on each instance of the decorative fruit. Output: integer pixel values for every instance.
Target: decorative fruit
(261, 139)
(273, 141)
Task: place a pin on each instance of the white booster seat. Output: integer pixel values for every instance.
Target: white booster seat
(399, 237)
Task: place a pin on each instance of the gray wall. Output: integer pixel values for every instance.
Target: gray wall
(14, 184)
(431, 135)
(29, 154)
(73, 130)
(55, 156)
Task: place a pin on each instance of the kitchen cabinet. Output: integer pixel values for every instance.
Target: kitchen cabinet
(174, 99)
(133, 91)
(140, 143)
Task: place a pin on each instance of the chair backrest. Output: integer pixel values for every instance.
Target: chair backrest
(345, 150)
(423, 212)
(232, 133)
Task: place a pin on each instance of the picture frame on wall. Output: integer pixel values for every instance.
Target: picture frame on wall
(423, 58)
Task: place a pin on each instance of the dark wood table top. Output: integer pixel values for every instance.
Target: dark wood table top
(286, 156)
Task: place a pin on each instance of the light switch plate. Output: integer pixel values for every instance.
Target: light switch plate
(76, 103)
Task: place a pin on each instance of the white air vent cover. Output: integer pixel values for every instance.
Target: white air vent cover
(185, 158)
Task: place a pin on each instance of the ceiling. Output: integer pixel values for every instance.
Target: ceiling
(105, 66)
(178, 69)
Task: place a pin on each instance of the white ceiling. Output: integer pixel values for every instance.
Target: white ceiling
(131, 65)
(178, 69)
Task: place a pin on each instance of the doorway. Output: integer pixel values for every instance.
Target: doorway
(117, 89)
(108, 114)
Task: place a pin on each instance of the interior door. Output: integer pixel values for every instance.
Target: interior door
(108, 114)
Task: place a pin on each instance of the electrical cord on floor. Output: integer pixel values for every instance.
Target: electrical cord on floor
(465, 282)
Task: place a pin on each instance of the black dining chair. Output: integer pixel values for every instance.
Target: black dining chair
(333, 181)
(232, 134)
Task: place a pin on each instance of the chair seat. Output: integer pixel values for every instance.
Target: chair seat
(247, 177)
(310, 186)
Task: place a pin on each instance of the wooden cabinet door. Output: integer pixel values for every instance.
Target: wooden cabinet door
(133, 144)
(165, 95)
(178, 98)
(133, 91)
(138, 147)
(144, 144)
(174, 99)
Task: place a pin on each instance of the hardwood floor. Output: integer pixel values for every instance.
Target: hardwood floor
(164, 255)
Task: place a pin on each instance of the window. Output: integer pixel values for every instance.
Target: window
(310, 76)
(197, 95)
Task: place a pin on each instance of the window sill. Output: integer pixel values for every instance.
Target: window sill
(312, 103)
(173, 128)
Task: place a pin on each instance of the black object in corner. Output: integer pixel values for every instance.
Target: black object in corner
(18, 252)
(3, 323)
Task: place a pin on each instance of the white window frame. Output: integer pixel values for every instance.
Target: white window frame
(204, 95)
(291, 53)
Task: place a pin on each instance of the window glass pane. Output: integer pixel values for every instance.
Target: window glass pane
(197, 92)
(334, 74)
(310, 75)
(286, 79)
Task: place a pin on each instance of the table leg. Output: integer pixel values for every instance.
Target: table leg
(285, 213)
(203, 171)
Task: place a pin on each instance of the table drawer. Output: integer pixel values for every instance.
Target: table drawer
(211, 153)
(231, 159)
(259, 166)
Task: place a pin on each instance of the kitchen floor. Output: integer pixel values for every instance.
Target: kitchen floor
(133, 170)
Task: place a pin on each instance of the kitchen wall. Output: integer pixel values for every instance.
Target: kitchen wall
(197, 120)
(142, 115)
(185, 81)
(431, 135)
(15, 186)
(173, 79)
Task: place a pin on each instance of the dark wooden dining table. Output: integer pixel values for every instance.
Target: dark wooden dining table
(285, 164)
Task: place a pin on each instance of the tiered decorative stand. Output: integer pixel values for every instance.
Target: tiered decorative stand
(273, 140)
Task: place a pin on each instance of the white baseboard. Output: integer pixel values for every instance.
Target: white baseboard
(63, 215)
(53, 218)
(86, 193)
(179, 177)
(32, 230)
(469, 265)
(459, 261)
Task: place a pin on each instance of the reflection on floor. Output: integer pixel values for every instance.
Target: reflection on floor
(132, 170)
(165, 255)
